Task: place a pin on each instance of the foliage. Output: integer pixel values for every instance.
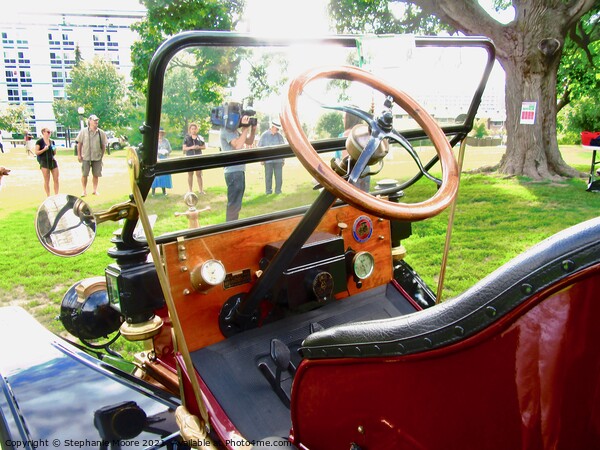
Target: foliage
(13, 118)
(98, 87)
(583, 115)
(65, 112)
(578, 73)
(135, 113)
(166, 18)
(381, 17)
(479, 129)
(267, 75)
(329, 125)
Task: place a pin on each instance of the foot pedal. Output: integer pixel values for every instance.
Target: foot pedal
(281, 356)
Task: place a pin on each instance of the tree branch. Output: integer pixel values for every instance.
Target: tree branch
(576, 9)
(564, 99)
(466, 16)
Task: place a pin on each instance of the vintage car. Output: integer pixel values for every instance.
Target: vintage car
(298, 322)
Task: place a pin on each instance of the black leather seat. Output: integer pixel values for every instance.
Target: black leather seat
(545, 264)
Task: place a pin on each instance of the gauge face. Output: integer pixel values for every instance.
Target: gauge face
(212, 272)
(363, 265)
(362, 229)
(322, 285)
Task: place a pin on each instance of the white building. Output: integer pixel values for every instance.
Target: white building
(38, 52)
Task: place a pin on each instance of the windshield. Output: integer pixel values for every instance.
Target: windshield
(204, 84)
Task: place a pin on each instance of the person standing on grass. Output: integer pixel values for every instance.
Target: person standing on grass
(3, 172)
(164, 149)
(274, 167)
(29, 144)
(45, 150)
(91, 145)
(1, 144)
(193, 144)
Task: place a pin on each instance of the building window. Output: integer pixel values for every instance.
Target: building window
(55, 59)
(26, 96)
(69, 58)
(13, 95)
(11, 76)
(67, 41)
(9, 58)
(25, 76)
(60, 131)
(22, 58)
(110, 42)
(58, 77)
(5, 39)
(52, 40)
(98, 42)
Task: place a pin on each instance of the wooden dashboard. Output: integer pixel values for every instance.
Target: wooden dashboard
(241, 251)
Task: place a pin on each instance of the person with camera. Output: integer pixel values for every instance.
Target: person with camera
(235, 176)
(193, 144)
(273, 167)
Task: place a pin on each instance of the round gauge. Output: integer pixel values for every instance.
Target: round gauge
(363, 265)
(362, 229)
(208, 274)
(322, 285)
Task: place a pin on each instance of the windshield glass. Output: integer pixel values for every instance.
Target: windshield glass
(208, 88)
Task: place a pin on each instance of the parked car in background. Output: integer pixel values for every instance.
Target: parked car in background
(116, 142)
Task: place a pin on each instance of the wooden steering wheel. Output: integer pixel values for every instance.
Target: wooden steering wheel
(348, 192)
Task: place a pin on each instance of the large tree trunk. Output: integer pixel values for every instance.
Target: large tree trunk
(529, 49)
(532, 149)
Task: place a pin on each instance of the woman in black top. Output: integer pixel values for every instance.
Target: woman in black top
(45, 149)
(193, 144)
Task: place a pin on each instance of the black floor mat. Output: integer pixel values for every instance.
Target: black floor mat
(230, 368)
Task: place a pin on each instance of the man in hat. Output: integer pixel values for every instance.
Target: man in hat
(273, 167)
(91, 145)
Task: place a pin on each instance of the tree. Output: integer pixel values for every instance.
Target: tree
(13, 118)
(167, 18)
(100, 89)
(329, 125)
(578, 71)
(582, 116)
(529, 49)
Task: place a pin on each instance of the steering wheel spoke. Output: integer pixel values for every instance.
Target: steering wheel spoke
(368, 118)
(363, 160)
(397, 137)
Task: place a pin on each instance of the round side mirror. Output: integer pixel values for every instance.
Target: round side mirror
(65, 225)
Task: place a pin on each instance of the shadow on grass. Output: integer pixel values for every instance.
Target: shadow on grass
(496, 219)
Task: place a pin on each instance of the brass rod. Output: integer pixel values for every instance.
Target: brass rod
(164, 283)
(461, 157)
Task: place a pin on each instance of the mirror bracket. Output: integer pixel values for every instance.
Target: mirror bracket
(125, 210)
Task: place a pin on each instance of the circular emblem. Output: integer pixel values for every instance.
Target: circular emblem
(362, 229)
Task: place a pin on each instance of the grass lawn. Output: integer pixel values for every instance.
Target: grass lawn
(497, 218)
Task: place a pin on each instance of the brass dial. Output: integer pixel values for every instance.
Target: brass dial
(208, 274)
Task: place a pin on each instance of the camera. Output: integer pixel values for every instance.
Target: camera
(229, 115)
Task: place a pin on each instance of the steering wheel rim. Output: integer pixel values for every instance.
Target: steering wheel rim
(348, 192)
